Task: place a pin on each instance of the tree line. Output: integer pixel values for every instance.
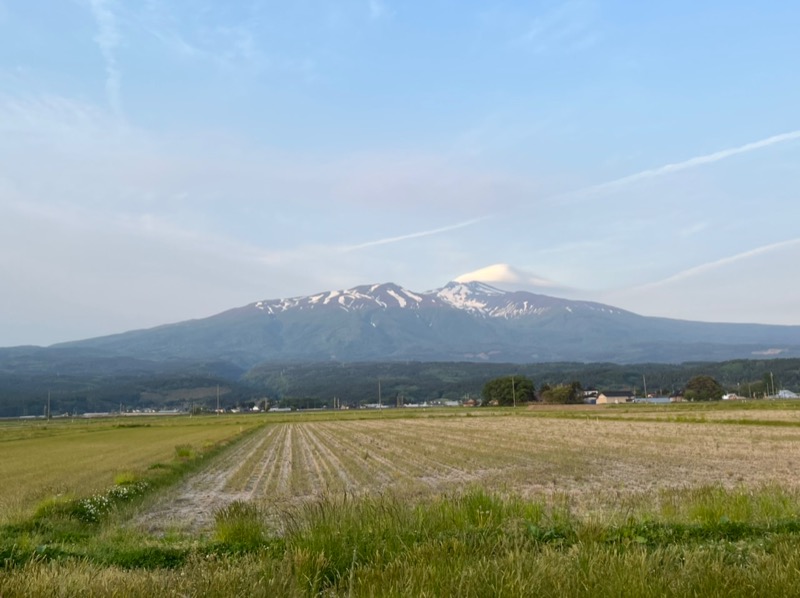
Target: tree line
(95, 383)
(517, 390)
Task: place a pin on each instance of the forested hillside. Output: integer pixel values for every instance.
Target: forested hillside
(92, 382)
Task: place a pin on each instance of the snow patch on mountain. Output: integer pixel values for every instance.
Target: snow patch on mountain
(400, 299)
(471, 296)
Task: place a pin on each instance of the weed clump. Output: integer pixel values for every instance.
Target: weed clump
(185, 452)
(53, 506)
(239, 526)
(125, 478)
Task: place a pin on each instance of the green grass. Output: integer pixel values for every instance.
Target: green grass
(470, 544)
(239, 527)
(69, 526)
(80, 457)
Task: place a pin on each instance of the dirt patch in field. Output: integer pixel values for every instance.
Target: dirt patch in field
(191, 506)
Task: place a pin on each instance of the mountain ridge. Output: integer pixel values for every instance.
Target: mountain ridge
(470, 321)
(473, 296)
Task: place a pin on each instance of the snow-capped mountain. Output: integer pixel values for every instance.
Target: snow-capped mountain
(476, 298)
(462, 321)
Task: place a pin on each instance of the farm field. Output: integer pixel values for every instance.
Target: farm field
(588, 460)
(747, 411)
(552, 501)
(80, 457)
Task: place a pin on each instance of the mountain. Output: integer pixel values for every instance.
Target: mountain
(469, 321)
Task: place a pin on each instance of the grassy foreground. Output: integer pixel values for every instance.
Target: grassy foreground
(702, 542)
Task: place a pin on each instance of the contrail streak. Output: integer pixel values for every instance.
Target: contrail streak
(694, 271)
(678, 166)
(425, 233)
(701, 160)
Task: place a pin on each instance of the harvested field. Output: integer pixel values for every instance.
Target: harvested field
(589, 460)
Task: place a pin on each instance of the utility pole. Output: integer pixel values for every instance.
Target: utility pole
(644, 381)
(48, 405)
(380, 402)
(217, 399)
(772, 383)
(514, 390)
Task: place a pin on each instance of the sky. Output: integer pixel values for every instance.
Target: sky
(162, 160)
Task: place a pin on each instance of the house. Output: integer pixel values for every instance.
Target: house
(614, 397)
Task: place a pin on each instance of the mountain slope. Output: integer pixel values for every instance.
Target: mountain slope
(459, 322)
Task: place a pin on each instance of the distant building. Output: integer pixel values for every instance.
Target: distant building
(787, 394)
(614, 397)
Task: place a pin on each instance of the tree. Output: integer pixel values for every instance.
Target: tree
(703, 388)
(562, 393)
(508, 390)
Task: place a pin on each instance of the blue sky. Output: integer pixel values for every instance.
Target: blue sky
(165, 160)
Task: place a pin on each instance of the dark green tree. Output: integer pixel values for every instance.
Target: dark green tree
(507, 390)
(562, 393)
(703, 388)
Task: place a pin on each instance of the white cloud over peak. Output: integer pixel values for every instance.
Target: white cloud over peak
(511, 278)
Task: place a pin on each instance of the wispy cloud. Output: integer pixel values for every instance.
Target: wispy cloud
(570, 26)
(710, 266)
(695, 162)
(426, 233)
(227, 40)
(107, 40)
(56, 118)
(668, 169)
(378, 9)
(693, 229)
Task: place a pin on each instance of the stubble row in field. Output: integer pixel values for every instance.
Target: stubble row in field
(590, 461)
